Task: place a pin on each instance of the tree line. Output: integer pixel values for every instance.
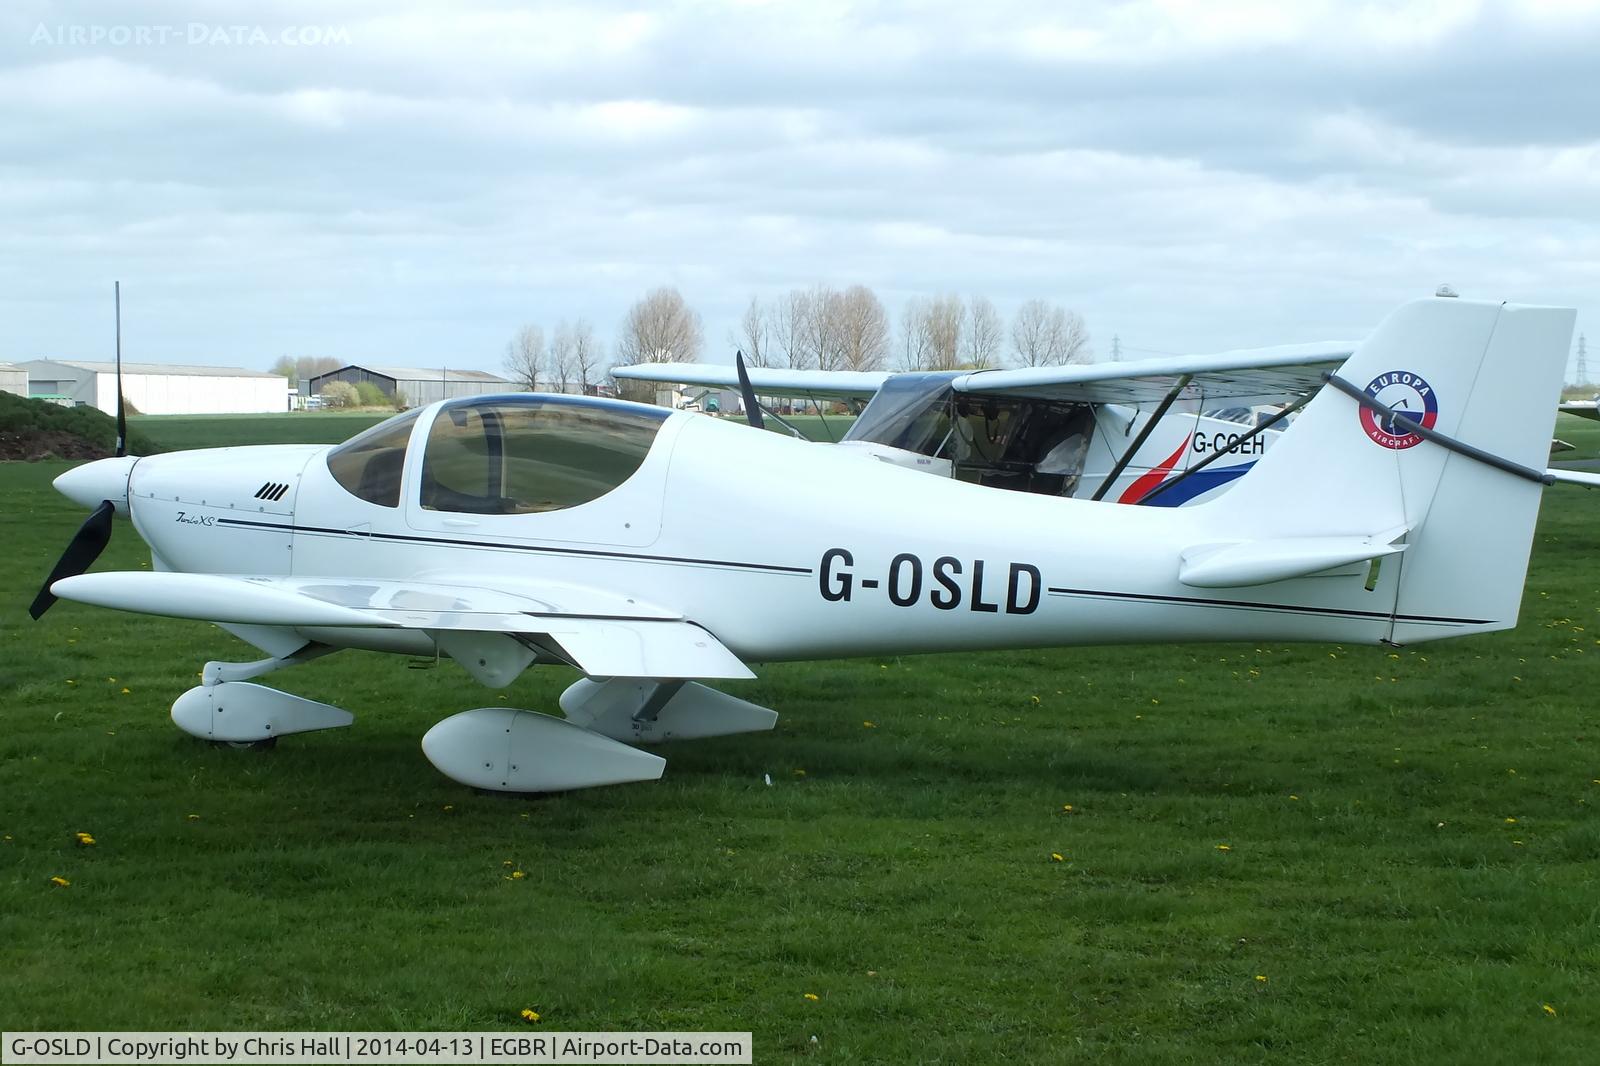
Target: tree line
(816, 328)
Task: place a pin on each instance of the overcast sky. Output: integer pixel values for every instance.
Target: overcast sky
(1191, 176)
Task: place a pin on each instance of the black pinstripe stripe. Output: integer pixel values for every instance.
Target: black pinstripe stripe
(539, 549)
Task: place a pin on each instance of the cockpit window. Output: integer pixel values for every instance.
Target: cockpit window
(369, 465)
(516, 456)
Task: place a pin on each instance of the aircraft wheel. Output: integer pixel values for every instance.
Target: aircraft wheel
(247, 745)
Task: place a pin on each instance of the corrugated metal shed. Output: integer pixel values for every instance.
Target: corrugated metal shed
(13, 379)
(419, 385)
(159, 388)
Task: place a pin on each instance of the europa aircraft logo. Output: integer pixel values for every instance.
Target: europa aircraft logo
(1409, 395)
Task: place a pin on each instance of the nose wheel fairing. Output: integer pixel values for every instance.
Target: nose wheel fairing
(237, 711)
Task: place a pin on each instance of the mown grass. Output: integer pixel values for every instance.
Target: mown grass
(176, 432)
(1412, 855)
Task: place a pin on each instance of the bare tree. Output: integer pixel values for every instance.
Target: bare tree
(984, 334)
(585, 356)
(753, 337)
(915, 342)
(560, 363)
(863, 329)
(947, 321)
(525, 356)
(791, 322)
(823, 328)
(1044, 334)
(1075, 340)
(660, 327)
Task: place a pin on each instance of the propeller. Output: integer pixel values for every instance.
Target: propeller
(95, 533)
(752, 406)
(82, 550)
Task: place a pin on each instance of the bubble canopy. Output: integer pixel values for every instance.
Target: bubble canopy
(511, 454)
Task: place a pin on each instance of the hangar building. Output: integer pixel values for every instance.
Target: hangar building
(159, 388)
(13, 379)
(418, 386)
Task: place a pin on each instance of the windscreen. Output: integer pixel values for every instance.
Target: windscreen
(369, 465)
(514, 456)
(910, 411)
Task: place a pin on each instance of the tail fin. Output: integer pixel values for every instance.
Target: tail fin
(1488, 375)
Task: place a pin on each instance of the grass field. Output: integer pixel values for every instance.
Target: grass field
(1267, 853)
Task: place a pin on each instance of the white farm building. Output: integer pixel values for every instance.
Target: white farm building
(13, 379)
(158, 388)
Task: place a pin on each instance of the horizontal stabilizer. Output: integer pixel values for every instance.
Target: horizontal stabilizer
(1574, 477)
(1260, 562)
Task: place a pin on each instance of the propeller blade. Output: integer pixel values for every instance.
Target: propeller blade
(84, 548)
(752, 407)
(122, 413)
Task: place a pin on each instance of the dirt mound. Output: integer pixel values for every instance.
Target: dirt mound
(34, 429)
(31, 445)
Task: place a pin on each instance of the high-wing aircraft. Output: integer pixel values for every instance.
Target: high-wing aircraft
(508, 531)
(1146, 432)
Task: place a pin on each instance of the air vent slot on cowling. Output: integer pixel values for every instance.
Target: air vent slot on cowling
(272, 491)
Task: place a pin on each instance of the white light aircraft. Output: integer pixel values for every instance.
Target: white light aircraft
(656, 550)
(1128, 432)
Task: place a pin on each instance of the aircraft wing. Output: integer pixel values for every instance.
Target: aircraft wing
(766, 380)
(1248, 376)
(602, 634)
(1582, 408)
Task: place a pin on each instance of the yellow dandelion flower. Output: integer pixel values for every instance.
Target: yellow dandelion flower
(1511, 821)
(812, 996)
(127, 691)
(1261, 977)
(84, 840)
(1056, 856)
(530, 1015)
(1293, 796)
(194, 817)
(1548, 1009)
(1067, 808)
(508, 862)
(1224, 847)
(1035, 699)
(60, 882)
(869, 725)
(517, 875)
